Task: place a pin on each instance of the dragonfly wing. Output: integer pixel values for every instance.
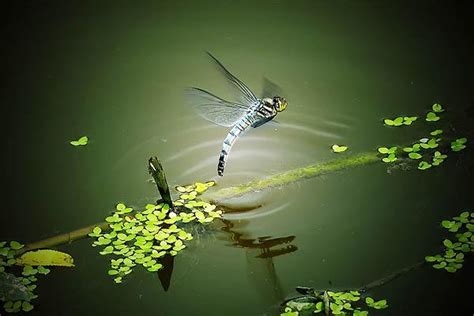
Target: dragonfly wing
(247, 96)
(215, 109)
(271, 89)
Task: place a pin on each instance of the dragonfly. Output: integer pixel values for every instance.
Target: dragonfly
(249, 111)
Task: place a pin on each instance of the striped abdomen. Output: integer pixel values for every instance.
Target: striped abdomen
(261, 114)
(229, 141)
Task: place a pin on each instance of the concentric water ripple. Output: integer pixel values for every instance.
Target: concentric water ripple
(297, 139)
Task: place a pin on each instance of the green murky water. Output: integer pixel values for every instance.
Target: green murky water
(117, 72)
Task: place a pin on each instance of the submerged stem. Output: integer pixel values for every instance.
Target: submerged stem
(291, 176)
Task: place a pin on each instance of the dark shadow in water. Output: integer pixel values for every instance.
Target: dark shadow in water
(259, 256)
(259, 253)
(165, 274)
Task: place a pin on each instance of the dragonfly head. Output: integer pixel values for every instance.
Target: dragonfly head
(280, 103)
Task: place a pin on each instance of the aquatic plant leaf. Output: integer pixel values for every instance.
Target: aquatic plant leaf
(414, 155)
(45, 257)
(26, 306)
(437, 108)
(423, 165)
(436, 132)
(15, 245)
(432, 117)
(407, 120)
(437, 162)
(398, 121)
(448, 243)
(458, 144)
(439, 155)
(383, 150)
(390, 158)
(43, 270)
(200, 187)
(447, 224)
(80, 142)
(389, 122)
(95, 232)
(339, 148)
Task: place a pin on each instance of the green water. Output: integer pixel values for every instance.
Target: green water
(116, 72)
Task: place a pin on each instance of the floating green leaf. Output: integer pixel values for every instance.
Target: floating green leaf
(390, 158)
(458, 144)
(15, 245)
(339, 148)
(407, 120)
(413, 155)
(432, 117)
(423, 165)
(429, 144)
(80, 142)
(45, 257)
(437, 108)
(436, 132)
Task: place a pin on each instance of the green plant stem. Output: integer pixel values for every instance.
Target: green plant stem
(61, 239)
(291, 176)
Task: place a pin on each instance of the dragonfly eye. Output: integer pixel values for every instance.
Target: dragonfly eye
(279, 103)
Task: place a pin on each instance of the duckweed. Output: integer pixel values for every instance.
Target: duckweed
(400, 120)
(338, 303)
(142, 237)
(18, 289)
(438, 108)
(338, 148)
(453, 257)
(459, 144)
(80, 142)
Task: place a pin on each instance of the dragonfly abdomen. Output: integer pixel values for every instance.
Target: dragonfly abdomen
(238, 129)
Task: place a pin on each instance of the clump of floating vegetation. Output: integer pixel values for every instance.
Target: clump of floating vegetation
(459, 144)
(424, 148)
(400, 121)
(315, 302)
(390, 152)
(17, 284)
(19, 271)
(145, 236)
(453, 257)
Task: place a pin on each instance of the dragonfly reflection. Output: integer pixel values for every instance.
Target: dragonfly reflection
(249, 111)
